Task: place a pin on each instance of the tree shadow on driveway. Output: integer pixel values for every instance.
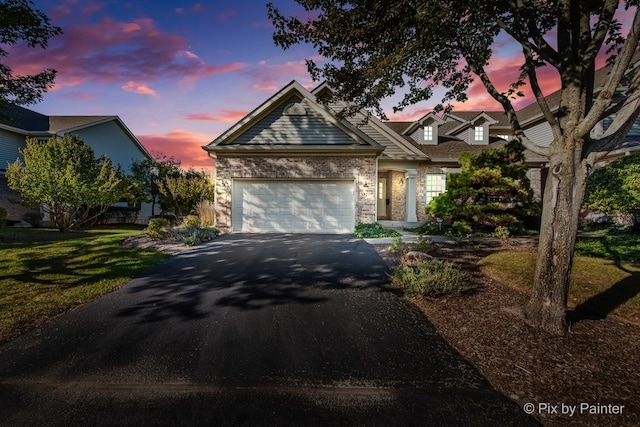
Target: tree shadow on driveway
(252, 272)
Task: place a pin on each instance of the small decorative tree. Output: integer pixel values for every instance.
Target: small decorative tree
(492, 190)
(147, 174)
(182, 193)
(615, 189)
(63, 176)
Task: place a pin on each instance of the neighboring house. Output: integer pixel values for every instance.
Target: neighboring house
(292, 165)
(106, 135)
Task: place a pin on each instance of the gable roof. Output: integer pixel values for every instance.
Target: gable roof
(291, 106)
(30, 123)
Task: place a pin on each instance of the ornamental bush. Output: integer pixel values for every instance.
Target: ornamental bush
(491, 190)
(158, 228)
(434, 278)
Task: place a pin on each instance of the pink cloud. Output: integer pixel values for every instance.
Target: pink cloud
(116, 52)
(138, 88)
(197, 7)
(271, 77)
(80, 96)
(227, 14)
(182, 145)
(223, 115)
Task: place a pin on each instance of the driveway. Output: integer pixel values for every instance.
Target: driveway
(248, 330)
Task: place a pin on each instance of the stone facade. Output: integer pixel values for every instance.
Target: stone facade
(398, 196)
(10, 200)
(361, 169)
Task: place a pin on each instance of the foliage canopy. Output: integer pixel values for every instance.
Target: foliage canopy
(490, 191)
(19, 21)
(615, 188)
(63, 176)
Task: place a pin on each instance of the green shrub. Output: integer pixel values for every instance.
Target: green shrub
(158, 228)
(191, 221)
(461, 228)
(191, 235)
(501, 233)
(398, 246)
(3, 217)
(433, 278)
(424, 245)
(373, 230)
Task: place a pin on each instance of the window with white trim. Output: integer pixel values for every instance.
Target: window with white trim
(478, 133)
(436, 184)
(428, 133)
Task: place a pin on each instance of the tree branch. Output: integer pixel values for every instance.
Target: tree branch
(600, 30)
(540, 98)
(618, 71)
(508, 109)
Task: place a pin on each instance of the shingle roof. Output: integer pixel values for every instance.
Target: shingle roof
(61, 123)
(30, 121)
(449, 147)
(23, 118)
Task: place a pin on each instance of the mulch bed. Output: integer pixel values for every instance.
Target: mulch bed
(597, 363)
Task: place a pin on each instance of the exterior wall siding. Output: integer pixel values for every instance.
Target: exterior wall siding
(9, 144)
(109, 139)
(362, 170)
(276, 128)
(540, 134)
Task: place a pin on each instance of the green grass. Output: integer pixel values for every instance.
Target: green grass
(619, 246)
(45, 273)
(373, 230)
(598, 286)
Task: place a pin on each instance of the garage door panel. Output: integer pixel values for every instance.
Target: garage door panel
(293, 206)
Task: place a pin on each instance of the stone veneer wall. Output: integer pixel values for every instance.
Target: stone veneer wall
(398, 197)
(9, 200)
(360, 169)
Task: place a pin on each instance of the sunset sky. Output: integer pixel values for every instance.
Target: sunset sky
(179, 73)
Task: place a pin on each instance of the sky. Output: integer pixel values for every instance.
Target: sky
(179, 73)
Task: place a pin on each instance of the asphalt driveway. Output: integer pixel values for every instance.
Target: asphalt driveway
(248, 330)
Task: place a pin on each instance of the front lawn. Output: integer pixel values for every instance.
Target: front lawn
(617, 246)
(598, 286)
(45, 272)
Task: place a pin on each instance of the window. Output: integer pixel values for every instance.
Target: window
(478, 133)
(506, 137)
(436, 183)
(428, 133)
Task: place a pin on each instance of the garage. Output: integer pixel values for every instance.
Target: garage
(293, 206)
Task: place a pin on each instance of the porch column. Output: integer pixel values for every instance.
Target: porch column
(410, 178)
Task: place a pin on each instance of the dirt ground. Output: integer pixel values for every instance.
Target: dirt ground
(591, 377)
(594, 371)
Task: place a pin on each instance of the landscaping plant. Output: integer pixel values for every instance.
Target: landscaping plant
(373, 230)
(434, 278)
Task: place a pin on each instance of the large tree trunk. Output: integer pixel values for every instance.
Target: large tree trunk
(563, 197)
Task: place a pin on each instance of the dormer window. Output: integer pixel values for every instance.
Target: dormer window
(478, 134)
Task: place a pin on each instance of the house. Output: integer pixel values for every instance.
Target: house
(291, 165)
(106, 135)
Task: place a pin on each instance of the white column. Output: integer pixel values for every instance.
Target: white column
(410, 178)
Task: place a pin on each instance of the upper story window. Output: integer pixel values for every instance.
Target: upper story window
(428, 133)
(478, 133)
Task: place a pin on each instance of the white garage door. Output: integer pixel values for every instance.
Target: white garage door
(293, 206)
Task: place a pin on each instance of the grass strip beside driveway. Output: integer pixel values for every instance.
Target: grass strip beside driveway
(44, 273)
(598, 286)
